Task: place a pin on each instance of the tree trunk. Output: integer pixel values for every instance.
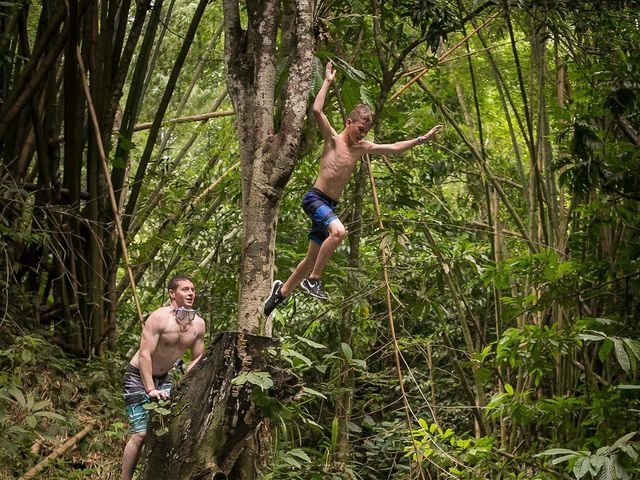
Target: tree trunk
(268, 149)
(212, 418)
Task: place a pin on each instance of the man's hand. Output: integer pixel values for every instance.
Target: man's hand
(158, 394)
(329, 73)
(430, 134)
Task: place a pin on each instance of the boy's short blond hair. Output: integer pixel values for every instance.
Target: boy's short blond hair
(361, 113)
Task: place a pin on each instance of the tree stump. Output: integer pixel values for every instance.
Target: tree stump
(211, 418)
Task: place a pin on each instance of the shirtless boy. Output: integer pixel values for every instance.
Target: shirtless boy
(340, 153)
(167, 334)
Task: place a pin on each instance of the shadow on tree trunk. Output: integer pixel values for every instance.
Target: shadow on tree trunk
(212, 418)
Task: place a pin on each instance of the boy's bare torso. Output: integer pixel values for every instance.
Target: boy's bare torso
(173, 342)
(336, 165)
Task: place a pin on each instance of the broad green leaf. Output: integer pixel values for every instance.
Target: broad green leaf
(621, 355)
(556, 451)
(581, 468)
(301, 454)
(261, 379)
(632, 346)
(310, 342)
(32, 421)
(298, 355)
(564, 458)
(346, 351)
(291, 461)
(26, 356)
(313, 393)
(19, 396)
(51, 415)
(508, 388)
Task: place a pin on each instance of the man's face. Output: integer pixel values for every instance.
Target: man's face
(184, 295)
(357, 130)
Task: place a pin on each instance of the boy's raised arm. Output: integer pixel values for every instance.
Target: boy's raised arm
(326, 130)
(399, 147)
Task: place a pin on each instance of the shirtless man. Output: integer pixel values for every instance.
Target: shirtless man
(340, 153)
(167, 334)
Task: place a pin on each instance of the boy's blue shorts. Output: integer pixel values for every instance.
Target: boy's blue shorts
(320, 209)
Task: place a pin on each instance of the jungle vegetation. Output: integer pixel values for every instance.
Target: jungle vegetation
(485, 310)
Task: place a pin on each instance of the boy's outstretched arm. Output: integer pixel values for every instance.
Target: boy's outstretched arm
(326, 130)
(399, 147)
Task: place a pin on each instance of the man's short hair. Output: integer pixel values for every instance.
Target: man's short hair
(361, 113)
(173, 283)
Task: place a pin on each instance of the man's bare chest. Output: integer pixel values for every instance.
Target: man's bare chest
(176, 338)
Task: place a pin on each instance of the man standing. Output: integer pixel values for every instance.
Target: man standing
(167, 334)
(339, 155)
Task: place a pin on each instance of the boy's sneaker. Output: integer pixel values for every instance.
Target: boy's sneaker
(313, 286)
(274, 299)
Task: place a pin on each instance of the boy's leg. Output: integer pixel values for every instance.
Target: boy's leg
(336, 234)
(302, 270)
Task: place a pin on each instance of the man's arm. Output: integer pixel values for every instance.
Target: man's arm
(148, 344)
(326, 130)
(399, 147)
(197, 349)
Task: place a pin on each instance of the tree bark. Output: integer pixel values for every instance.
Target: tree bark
(212, 418)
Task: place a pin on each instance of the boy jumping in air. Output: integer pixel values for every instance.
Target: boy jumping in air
(340, 153)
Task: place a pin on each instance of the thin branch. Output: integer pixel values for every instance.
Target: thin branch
(61, 450)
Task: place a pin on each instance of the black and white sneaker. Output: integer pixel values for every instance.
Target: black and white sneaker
(274, 299)
(313, 286)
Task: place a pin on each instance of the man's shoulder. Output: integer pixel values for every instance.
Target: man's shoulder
(159, 316)
(199, 323)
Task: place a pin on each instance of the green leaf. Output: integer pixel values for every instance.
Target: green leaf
(18, 395)
(301, 454)
(581, 468)
(604, 350)
(632, 346)
(361, 364)
(313, 393)
(291, 461)
(621, 355)
(32, 421)
(261, 379)
(298, 355)
(564, 458)
(508, 388)
(40, 405)
(51, 415)
(311, 343)
(335, 425)
(26, 356)
(163, 411)
(556, 451)
(346, 351)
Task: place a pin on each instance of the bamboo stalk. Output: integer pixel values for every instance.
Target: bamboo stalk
(107, 177)
(61, 450)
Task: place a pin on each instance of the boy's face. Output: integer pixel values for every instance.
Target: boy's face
(357, 129)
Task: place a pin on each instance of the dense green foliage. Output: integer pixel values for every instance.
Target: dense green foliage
(512, 246)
